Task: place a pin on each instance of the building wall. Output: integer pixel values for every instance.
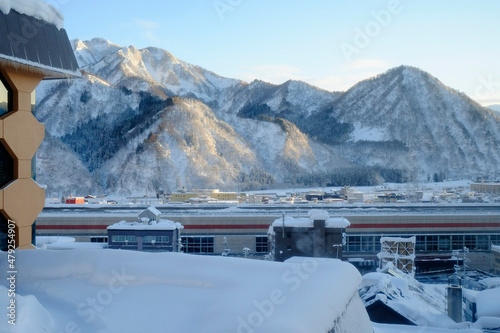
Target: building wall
(309, 242)
(435, 233)
(182, 197)
(140, 242)
(22, 199)
(485, 187)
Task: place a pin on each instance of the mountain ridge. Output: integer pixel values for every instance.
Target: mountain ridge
(143, 120)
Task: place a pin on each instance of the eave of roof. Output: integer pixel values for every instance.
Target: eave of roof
(33, 45)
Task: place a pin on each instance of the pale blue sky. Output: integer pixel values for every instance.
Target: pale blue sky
(331, 44)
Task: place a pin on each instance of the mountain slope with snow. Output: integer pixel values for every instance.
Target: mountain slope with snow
(143, 120)
(438, 128)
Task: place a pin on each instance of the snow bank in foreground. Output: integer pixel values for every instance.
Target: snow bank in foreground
(125, 291)
(35, 8)
(384, 328)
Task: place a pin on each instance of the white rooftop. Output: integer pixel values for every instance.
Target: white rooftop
(422, 304)
(35, 8)
(127, 291)
(307, 222)
(161, 225)
(488, 304)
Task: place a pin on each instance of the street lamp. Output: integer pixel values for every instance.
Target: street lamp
(337, 246)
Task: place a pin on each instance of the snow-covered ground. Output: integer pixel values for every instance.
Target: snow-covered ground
(124, 291)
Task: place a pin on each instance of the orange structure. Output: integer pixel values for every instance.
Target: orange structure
(30, 50)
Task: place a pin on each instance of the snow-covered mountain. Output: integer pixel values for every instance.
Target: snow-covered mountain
(143, 120)
(494, 107)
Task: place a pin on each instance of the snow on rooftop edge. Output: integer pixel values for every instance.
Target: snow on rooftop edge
(307, 222)
(35, 8)
(160, 225)
(124, 291)
(487, 303)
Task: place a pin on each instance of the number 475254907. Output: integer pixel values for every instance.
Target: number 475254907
(11, 244)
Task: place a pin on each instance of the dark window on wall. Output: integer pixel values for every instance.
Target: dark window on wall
(6, 96)
(6, 166)
(470, 242)
(482, 242)
(444, 243)
(124, 239)
(157, 239)
(4, 232)
(99, 239)
(368, 244)
(261, 244)
(353, 243)
(457, 242)
(202, 244)
(33, 167)
(420, 245)
(432, 243)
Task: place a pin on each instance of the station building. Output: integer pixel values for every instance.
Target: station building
(439, 230)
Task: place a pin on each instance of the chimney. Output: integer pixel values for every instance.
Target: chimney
(454, 298)
(319, 237)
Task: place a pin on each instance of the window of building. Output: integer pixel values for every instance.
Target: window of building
(99, 239)
(368, 244)
(457, 242)
(420, 243)
(431, 243)
(444, 243)
(6, 96)
(353, 243)
(6, 166)
(261, 244)
(482, 242)
(4, 232)
(124, 238)
(200, 244)
(363, 244)
(156, 239)
(495, 239)
(470, 242)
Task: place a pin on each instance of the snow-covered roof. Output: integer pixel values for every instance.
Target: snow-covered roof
(153, 210)
(398, 239)
(490, 282)
(495, 248)
(421, 304)
(160, 225)
(45, 46)
(129, 291)
(34, 8)
(488, 304)
(307, 222)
